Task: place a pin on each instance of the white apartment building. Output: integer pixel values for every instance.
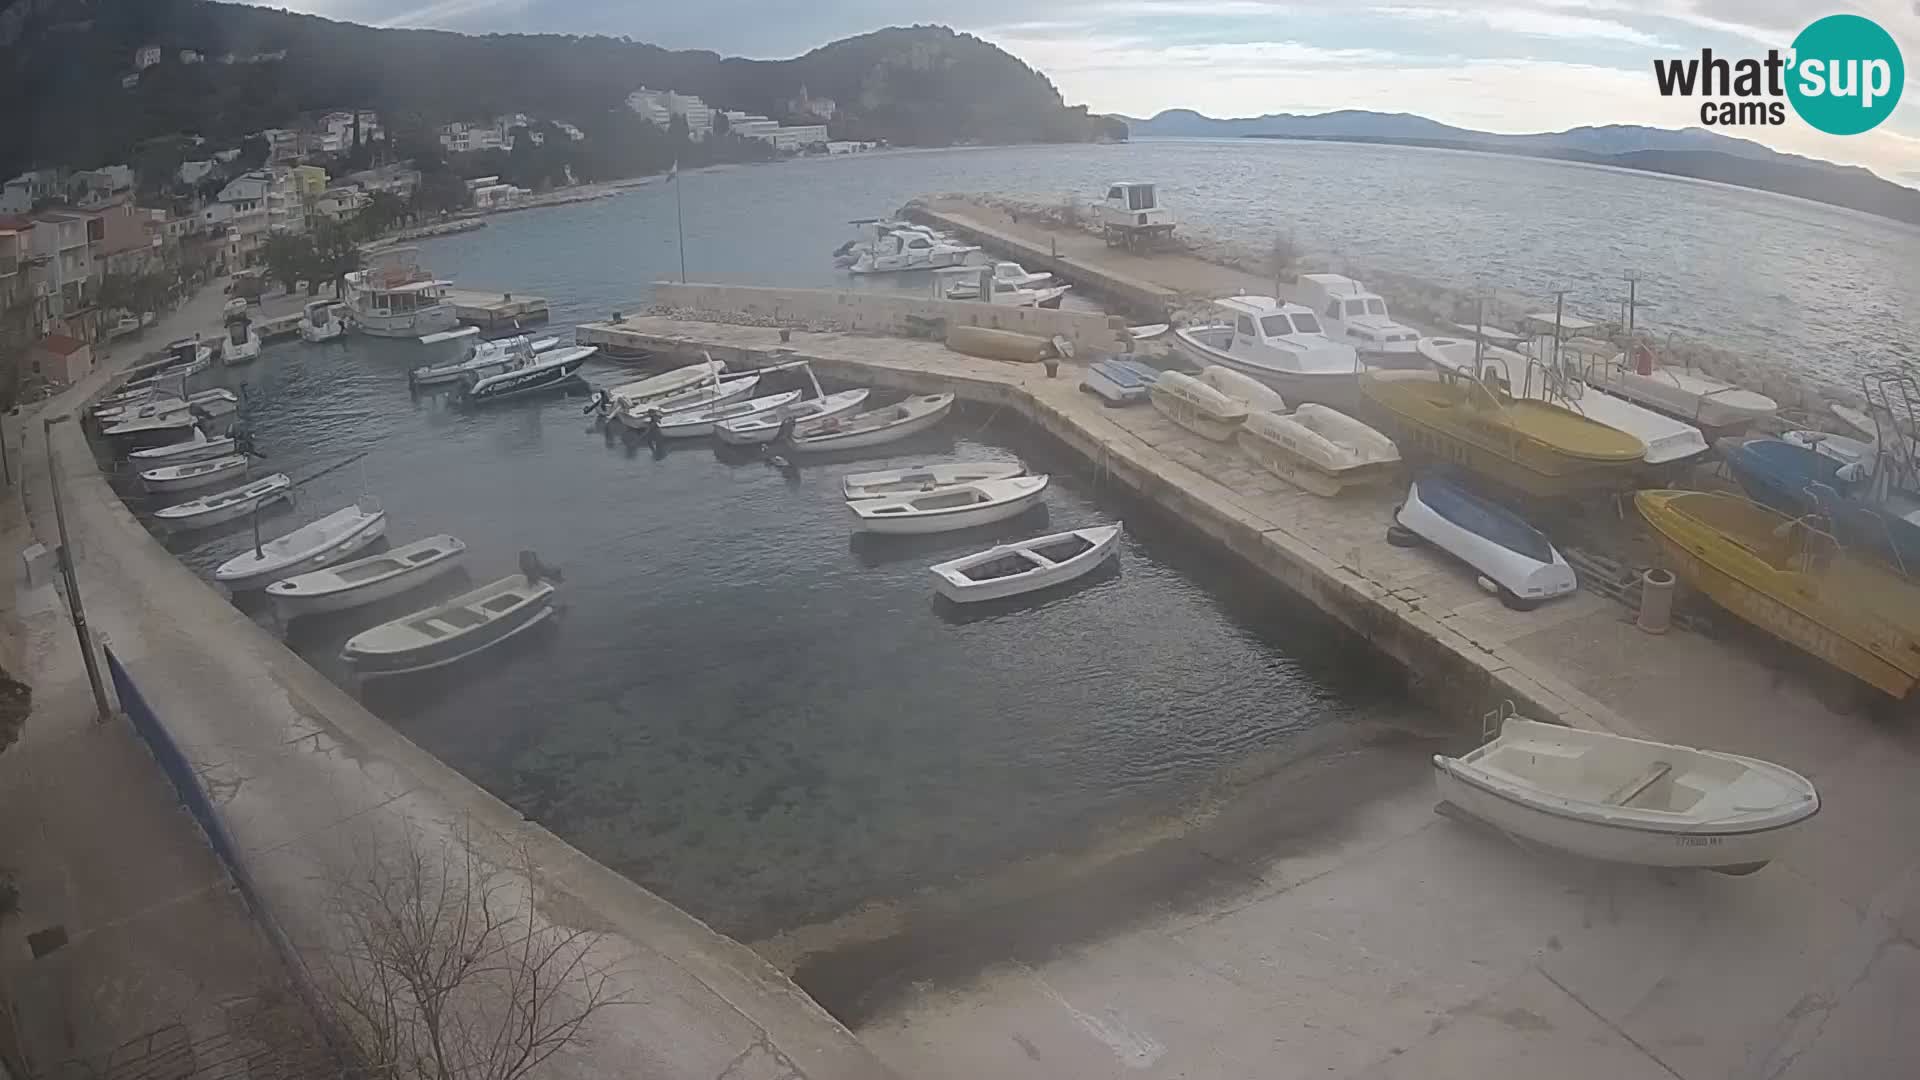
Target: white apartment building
(464, 138)
(661, 106)
(241, 212)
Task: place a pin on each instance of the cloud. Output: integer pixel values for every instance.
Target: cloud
(1551, 22)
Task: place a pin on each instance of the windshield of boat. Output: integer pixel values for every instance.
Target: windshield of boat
(1306, 324)
(1376, 306)
(1275, 325)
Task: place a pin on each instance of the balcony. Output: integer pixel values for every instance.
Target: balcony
(9, 265)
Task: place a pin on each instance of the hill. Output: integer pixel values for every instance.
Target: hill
(1690, 152)
(65, 59)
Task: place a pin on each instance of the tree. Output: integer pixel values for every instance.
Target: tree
(383, 211)
(440, 192)
(446, 971)
(288, 258)
(335, 255)
(254, 150)
(721, 125)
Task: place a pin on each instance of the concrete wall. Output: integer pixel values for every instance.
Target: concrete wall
(887, 313)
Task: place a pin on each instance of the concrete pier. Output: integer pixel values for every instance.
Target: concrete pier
(497, 312)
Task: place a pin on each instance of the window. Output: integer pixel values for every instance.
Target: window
(1276, 325)
(1356, 307)
(1306, 324)
(1245, 326)
(1333, 310)
(1376, 306)
(1140, 197)
(1114, 194)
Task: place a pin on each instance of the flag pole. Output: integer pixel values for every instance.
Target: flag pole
(679, 222)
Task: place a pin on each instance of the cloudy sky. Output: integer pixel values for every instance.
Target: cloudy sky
(1497, 65)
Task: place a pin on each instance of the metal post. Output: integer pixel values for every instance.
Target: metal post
(1631, 283)
(103, 711)
(1559, 300)
(679, 223)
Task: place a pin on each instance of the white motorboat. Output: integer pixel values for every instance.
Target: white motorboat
(153, 430)
(873, 485)
(961, 506)
(450, 632)
(1352, 313)
(1281, 345)
(901, 249)
(668, 383)
(196, 447)
(638, 414)
(1517, 558)
(765, 427)
(213, 403)
(965, 282)
(695, 423)
(240, 344)
(1010, 274)
(195, 474)
(1196, 406)
(395, 297)
(875, 427)
(1025, 566)
(1322, 450)
(1244, 389)
(485, 358)
(320, 322)
(1616, 799)
(1690, 395)
(541, 371)
(309, 547)
(367, 580)
(225, 506)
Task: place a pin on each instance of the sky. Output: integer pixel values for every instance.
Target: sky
(1494, 65)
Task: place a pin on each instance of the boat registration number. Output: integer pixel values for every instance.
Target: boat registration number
(1699, 841)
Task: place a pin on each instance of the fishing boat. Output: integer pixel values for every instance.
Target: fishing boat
(875, 427)
(1350, 312)
(450, 632)
(395, 297)
(961, 506)
(1014, 289)
(1694, 396)
(195, 474)
(1322, 450)
(1244, 389)
(1119, 381)
(765, 427)
(195, 447)
(543, 371)
(696, 423)
(485, 358)
(1026, 566)
(1788, 577)
(240, 344)
(309, 547)
(224, 506)
(1616, 799)
(873, 485)
(1196, 406)
(639, 413)
(320, 322)
(901, 250)
(367, 580)
(1518, 558)
(1280, 344)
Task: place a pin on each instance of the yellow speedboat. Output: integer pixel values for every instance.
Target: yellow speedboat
(1792, 580)
(1533, 446)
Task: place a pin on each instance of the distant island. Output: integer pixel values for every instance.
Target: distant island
(1689, 152)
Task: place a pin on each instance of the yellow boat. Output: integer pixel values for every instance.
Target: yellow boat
(1793, 581)
(1532, 446)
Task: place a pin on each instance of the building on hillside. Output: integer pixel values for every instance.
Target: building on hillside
(191, 173)
(398, 180)
(145, 57)
(339, 204)
(63, 263)
(226, 157)
(22, 312)
(93, 188)
(333, 134)
(651, 105)
(309, 180)
(19, 194)
(191, 56)
(787, 140)
(240, 213)
(661, 106)
(464, 138)
(60, 359)
(571, 132)
(750, 125)
(130, 80)
(807, 105)
(283, 145)
(287, 201)
(126, 245)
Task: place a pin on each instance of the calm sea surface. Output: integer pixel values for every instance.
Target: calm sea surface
(768, 721)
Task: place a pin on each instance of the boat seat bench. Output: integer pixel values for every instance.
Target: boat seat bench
(1633, 789)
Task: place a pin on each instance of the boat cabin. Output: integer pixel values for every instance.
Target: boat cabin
(1131, 213)
(1349, 312)
(1273, 334)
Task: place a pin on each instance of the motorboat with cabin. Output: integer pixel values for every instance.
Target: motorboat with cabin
(902, 250)
(240, 343)
(320, 322)
(1350, 312)
(395, 297)
(967, 283)
(1281, 344)
(483, 359)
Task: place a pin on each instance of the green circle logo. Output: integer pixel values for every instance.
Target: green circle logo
(1846, 74)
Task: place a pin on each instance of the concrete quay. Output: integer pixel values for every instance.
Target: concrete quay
(1387, 942)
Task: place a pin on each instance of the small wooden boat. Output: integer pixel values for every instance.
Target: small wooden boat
(309, 547)
(694, 423)
(1196, 406)
(1787, 577)
(945, 509)
(1026, 566)
(1322, 450)
(196, 447)
(365, 581)
(875, 427)
(453, 631)
(544, 371)
(873, 485)
(1488, 537)
(225, 506)
(1608, 797)
(1244, 389)
(194, 474)
(765, 427)
(638, 413)
(1118, 381)
(992, 344)
(671, 382)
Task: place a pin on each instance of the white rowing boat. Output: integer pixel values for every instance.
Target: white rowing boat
(873, 485)
(1025, 566)
(194, 474)
(638, 413)
(805, 415)
(365, 581)
(195, 447)
(694, 423)
(875, 427)
(453, 631)
(1320, 449)
(945, 509)
(223, 506)
(309, 547)
(1624, 800)
(1196, 406)
(1244, 389)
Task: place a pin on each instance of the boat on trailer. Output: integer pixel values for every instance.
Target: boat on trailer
(873, 485)
(224, 506)
(1496, 542)
(1616, 799)
(448, 633)
(1026, 565)
(962, 506)
(309, 547)
(368, 580)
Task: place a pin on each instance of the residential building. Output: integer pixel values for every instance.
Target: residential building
(19, 194)
(22, 313)
(464, 138)
(191, 56)
(192, 172)
(283, 145)
(61, 359)
(399, 180)
(130, 80)
(287, 202)
(339, 204)
(94, 188)
(63, 245)
(145, 57)
(240, 212)
(126, 245)
(334, 131)
(309, 180)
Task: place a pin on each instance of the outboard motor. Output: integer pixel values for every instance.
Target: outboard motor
(535, 570)
(597, 403)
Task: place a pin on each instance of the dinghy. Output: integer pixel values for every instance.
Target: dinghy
(694, 423)
(873, 485)
(1119, 382)
(195, 474)
(1608, 797)
(636, 413)
(196, 447)
(309, 547)
(765, 427)
(1320, 449)
(1244, 389)
(452, 631)
(874, 427)
(544, 371)
(224, 506)
(1518, 558)
(1026, 566)
(945, 509)
(1196, 406)
(364, 581)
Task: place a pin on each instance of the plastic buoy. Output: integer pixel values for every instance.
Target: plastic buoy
(1656, 601)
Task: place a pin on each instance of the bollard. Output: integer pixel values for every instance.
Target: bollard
(1656, 601)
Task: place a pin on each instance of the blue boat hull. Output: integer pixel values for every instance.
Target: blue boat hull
(1797, 482)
